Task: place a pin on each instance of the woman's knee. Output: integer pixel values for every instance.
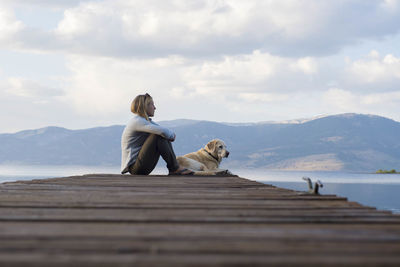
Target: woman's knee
(162, 145)
(153, 140)
(159, 139)
(154, 137)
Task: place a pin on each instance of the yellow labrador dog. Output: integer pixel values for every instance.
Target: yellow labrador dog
(205, 161)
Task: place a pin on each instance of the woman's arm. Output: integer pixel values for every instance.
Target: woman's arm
(143, 125)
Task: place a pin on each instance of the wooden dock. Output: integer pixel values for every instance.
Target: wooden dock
(115, 220)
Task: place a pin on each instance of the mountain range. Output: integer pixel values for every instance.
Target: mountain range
(345, 142)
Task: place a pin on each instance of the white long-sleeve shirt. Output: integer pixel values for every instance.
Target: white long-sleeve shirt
(133, 137)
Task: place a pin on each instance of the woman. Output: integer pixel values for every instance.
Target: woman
(143, 141)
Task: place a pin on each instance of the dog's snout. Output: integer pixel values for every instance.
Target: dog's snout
(227, 153)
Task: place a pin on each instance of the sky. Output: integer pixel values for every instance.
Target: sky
(78, 64)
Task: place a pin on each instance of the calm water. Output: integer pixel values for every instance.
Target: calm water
(378, 190)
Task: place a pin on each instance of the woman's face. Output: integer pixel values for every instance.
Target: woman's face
(150, 108)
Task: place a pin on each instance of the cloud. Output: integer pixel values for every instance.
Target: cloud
(29, 104)
(338, 100)
(107, 85)
(307, 65)
(263, 97)
(22, 87)
(15, 35)
(209, 29)
(43, 3)
(9, 25)
(376, 69)
(341, 100)
(254, 73)
(390, 98)
(391, 5)
(201, 59)
(100, 85)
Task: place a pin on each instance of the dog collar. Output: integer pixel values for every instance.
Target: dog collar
(211, 155)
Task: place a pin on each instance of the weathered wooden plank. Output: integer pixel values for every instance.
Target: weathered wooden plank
(249, 220)
(212, 259)
(162, 212)
(122, 196)
(128, 180)
(287, 209)
(310, 231)
(189, 215)
(89, 201)
(151, 195)
(103, 220)
(198, 245)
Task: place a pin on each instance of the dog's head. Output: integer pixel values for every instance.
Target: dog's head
(217, 148)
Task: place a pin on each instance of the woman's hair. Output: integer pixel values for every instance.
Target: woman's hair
(139, 105)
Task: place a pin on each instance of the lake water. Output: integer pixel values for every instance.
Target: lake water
(377, 190)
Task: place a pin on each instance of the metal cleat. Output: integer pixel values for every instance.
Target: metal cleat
(313, 190)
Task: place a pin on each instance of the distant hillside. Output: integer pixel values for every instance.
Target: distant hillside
(351, 142)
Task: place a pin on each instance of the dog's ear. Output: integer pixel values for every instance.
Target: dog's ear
(211, 145)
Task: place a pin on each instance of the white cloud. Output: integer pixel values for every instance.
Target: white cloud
(202, 59)
(86, 19)
(43, 3)
(254, 73)
(100, 85)
(9, 25)
(29, 104)
(263, 97)
(391, 5)
(341, 100)
(26, 88)
(338, 100)
(375, 69)
(307, 65)
(373, 54)
(210, 28)
(183, 93)
(106, 85)
(382, 99)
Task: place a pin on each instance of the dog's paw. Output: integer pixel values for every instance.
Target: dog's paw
(229, 173)
(221, 173)
(225, 173)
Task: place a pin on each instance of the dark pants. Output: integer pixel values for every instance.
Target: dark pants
(153, 147)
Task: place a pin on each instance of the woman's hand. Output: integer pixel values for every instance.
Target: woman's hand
(173, 138)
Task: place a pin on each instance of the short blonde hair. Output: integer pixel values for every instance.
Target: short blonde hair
(139, 105)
